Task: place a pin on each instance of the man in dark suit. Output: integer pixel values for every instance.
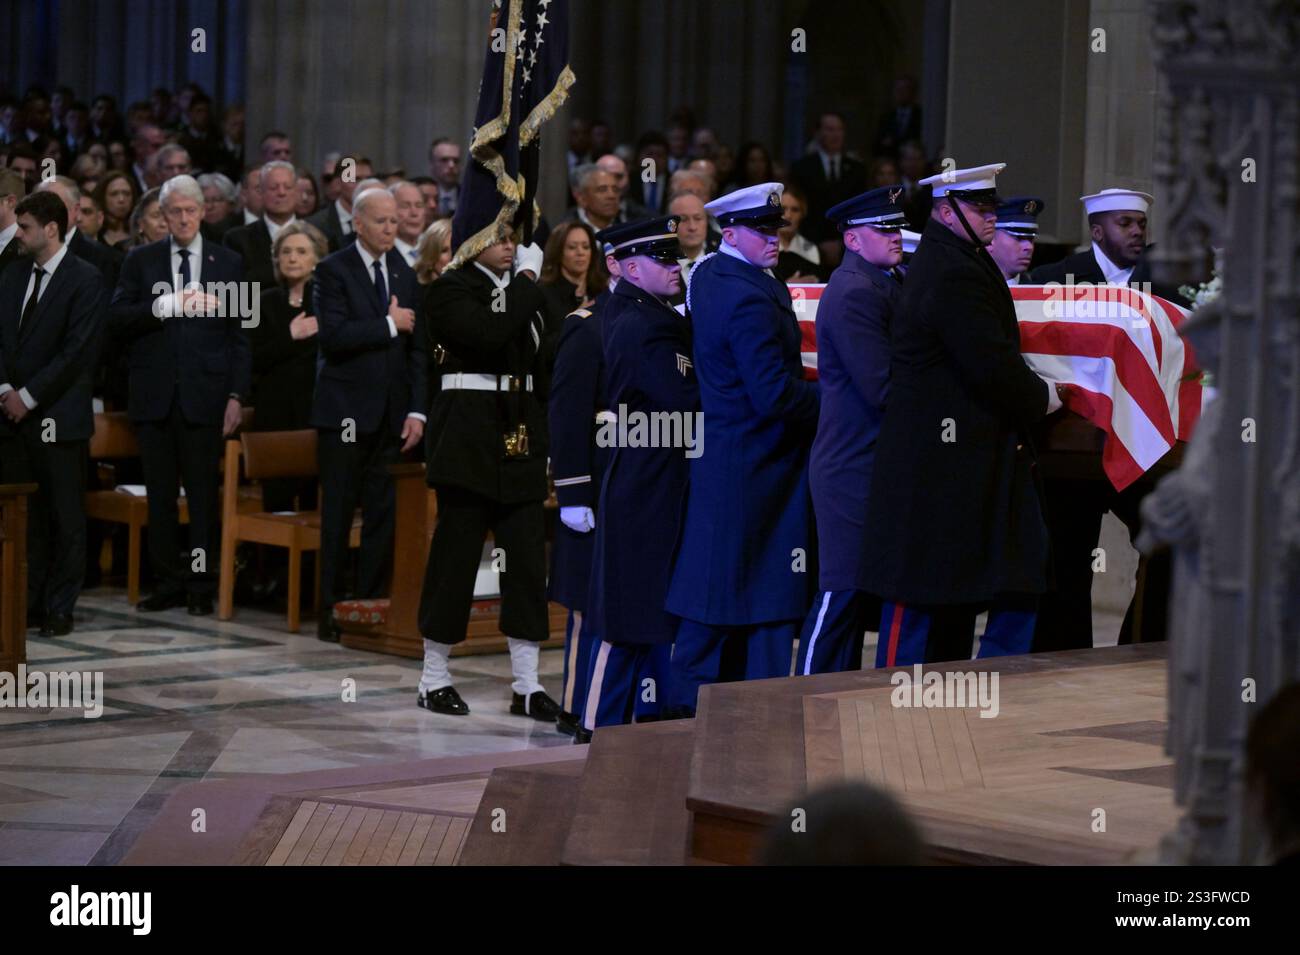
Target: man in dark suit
(900, 122)
(13, 189)
(51, 320)
(107, 260)
(487, 460)
(190, 368)
(954, 521)
(853, 320)
(278, 184)
(370, 395)
(335, 220)
(827, 177)
(741, 582)
(1117, 222)
(648, 185)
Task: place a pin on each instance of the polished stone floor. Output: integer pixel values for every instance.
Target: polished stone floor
(189, 699)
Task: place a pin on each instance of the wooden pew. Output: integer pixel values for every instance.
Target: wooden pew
(13, 575)
(269, 455)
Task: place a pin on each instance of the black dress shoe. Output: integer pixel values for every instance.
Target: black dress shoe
(567, 723)
(199, 605)
(57, 625)
(582, 737)
(445, 700)
(327, 630)
(161, 601)
(537, 705)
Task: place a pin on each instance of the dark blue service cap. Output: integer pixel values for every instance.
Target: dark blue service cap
(1018, 216)
(880, 208)
(655, 237)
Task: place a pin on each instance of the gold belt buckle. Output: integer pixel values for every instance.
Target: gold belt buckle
(514, 383)
(439, 354)
(517, 442)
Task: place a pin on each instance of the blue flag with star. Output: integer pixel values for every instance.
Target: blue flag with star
(526, 77)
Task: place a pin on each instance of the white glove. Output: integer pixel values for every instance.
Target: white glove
(528, 258)
(580, 519)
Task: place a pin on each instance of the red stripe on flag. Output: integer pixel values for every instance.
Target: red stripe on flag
(1115, 458)
(891, 654)
(1104, 295)
(1104, 341)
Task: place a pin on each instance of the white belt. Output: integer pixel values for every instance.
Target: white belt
(464, 381)
(606, 417)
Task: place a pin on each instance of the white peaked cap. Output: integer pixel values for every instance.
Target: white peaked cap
(1112, 200)
(910, 240)
(964, 180)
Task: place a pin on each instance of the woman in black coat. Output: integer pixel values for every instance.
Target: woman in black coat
(284, 354)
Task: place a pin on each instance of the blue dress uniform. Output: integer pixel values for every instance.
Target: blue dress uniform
(741, 581)
(578, 464)
(954, 518)
(853, 321)
(649, 373)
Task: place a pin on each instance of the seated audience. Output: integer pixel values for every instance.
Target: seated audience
(572, 276)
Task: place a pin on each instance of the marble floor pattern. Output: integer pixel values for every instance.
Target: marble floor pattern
(188, 699)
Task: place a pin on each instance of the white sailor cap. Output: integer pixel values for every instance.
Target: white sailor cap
(910, 241)
(977, 184)
(754, 206)
(1113, 200)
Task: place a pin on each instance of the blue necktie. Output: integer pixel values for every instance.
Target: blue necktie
(380, 288)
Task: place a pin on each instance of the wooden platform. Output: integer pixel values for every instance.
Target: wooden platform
(524, 815)
(1076, 732)
(1077, 739)
(631, 806)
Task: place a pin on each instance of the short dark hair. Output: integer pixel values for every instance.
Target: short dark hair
(45, 207)
(650, 138)
(200, 98)
(78, 106)
(273, 134)
(422, 181)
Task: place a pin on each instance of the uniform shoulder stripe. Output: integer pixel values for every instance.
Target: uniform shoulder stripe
(581, 312)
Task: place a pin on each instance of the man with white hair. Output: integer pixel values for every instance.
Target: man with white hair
(278, 185)
(370, 394)
(410, 219)
(190, 371)
(104, 258)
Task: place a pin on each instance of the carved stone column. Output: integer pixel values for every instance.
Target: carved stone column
(1226, 171)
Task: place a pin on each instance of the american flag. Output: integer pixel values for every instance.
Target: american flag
(1117, 349)
(526, 77)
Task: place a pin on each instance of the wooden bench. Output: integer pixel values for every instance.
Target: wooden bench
(267, 455)
(13, 575)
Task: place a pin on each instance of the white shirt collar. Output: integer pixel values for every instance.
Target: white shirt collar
(345, 215)
(249, 218)
(7, 234)
(274, 229)
(499, 282)
(408, 251)
(370, 260)
(196, 256)
(1113, 273)
(53, 263)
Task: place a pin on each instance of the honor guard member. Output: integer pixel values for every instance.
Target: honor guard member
(1117, 220)
(853, 320)
(651, 381)
(487, 462)
(954, 522)
(576, 408)
(1013, 237)
(742, 580)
